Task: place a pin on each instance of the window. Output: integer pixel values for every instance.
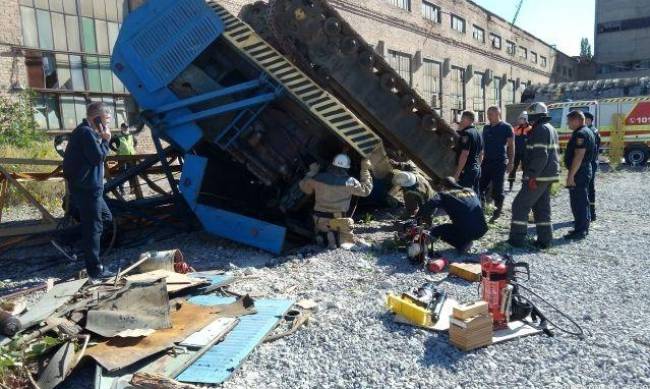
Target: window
(542, 61)
(63, 32)
(556, 117)
(430, 12)
(510, 48)
(523, 53)
(494, 94)
(457, 92)
(510, 92)
(570, 72)
(533, 57)
(403, 4)
(401, 63)
(479, 34)
(496, 41)
(431, 83)
(478, 96)
(458, 23)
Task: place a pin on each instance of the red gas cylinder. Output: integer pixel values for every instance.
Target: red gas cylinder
(436, 265)
(493, 282)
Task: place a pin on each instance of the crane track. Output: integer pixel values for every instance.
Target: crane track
(320, 42)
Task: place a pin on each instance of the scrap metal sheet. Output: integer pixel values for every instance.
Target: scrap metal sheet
(138, 306)
(48, 304)
(218, 364)
(118, 353)
(175, 281)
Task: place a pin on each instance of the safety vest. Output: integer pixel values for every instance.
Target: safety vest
(126, 146)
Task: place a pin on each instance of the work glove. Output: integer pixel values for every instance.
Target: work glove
(366, 164)
(532, 184)
(314, 168)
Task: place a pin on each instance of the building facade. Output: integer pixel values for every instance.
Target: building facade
(622, 34)
(60, 50)
(456, 54)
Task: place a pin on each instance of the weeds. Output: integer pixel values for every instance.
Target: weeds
(48, 193)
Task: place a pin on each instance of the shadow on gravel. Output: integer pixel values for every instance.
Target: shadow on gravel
(438, 352)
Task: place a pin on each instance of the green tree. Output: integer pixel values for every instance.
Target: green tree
(17, 126)
(585, 49)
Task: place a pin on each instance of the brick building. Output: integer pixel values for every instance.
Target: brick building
(455, 53)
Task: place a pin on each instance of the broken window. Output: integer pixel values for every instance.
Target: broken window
(478, 96)
(46, 112)
(63, 72)
(494, 95)
(430, 12)
(68, 112)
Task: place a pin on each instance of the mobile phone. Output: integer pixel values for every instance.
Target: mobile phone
(99, 124)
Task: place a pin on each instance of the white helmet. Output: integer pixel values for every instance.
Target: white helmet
(537, 109)
(403, 179)
(523, 116)
(342, 161)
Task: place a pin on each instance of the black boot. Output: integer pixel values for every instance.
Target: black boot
(497, 212)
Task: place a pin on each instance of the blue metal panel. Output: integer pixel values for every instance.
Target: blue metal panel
(242, 229)
(221, 361)
(165, 36)
(191, 178)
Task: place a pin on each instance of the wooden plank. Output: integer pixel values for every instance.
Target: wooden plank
(30, 161)
(40, 228)
(4, 186)
(467, 311)
(216, 329)
(46, 214)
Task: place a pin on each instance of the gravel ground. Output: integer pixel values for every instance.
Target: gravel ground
(351, 342)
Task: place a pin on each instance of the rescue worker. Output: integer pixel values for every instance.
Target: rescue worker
(521, 135)
(464, 209)
(333, 190)
(589, 122)
(415, 188)
(124, 144)
(578, 159)
(468, 153)
(541, 170)
(498, 157)
(83, 169)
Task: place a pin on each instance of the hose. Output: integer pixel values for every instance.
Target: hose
(580, 331)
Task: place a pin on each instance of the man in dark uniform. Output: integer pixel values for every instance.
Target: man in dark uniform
(464, 209)
(468, 151)
(541, 170)
(521, 135)
(578, 159)
(589, 121)
(83, 169)
(498, 157)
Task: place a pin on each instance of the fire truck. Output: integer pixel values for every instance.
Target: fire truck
(624, 124)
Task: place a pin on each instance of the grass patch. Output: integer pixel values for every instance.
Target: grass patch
(48, 193)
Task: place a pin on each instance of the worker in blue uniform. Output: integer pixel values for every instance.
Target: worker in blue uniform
(498, 157)
(589, 122)
(83, 169)
(468, 153)
(463, 207)
(577, 159)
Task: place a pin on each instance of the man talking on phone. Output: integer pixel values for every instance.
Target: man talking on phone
(83, 169)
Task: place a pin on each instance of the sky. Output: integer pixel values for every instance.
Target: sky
(552, 21)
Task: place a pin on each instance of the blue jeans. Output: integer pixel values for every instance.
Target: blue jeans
(93, 213)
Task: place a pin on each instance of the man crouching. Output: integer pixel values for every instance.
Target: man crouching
(333, 190)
